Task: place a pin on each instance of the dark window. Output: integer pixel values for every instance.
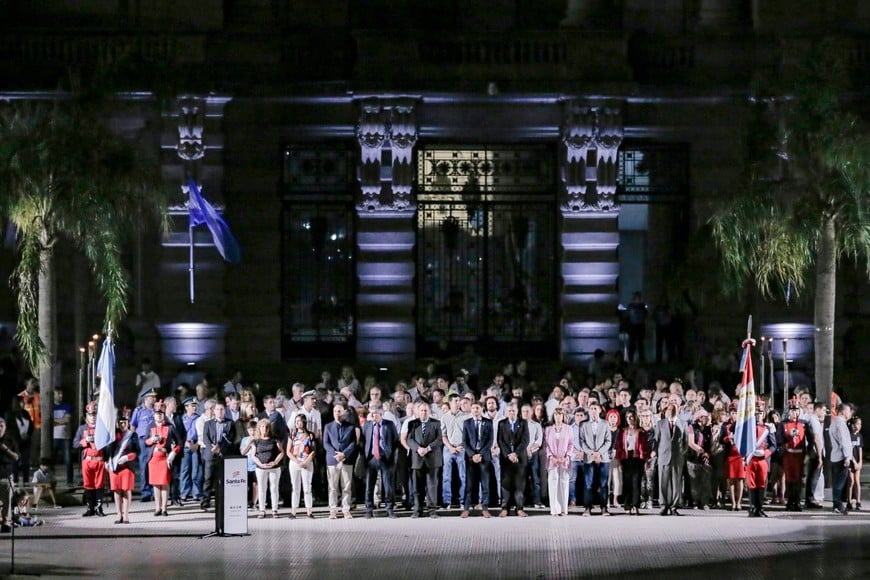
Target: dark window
(653, 173)
(318, 248)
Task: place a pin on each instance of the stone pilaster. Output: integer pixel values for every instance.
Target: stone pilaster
(387, 133)
(193, 332)
(591, 136)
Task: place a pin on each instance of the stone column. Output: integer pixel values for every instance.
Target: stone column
(193, 333)
(591, 137)
(387, 133)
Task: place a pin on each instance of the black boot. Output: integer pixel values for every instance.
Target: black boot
(796, 496)
(759, 502)
(98, 502)
(89, 502)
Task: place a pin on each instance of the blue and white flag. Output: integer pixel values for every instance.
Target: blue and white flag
(106, 414)
(202, 212)
(744, 432)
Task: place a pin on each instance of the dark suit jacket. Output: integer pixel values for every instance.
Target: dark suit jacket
(518, 440)
(474, 445)
(416, 440)
(340, 437)
(227, 441)
(389, 437)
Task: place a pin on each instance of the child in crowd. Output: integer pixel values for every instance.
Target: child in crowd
(20, 517)
(44, 481)
(252, 476)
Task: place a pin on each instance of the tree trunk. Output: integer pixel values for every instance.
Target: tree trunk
(47, 366)
(825, 306)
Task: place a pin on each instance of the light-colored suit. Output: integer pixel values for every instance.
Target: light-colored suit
(560, 447)
(671, 449)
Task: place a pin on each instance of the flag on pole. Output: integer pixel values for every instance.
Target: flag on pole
(106, 415)
(202, 212)
(744, 432)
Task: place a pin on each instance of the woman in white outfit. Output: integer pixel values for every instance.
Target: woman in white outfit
(301, 454)
(560, 447)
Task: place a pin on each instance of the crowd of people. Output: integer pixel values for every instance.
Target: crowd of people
(440, 441)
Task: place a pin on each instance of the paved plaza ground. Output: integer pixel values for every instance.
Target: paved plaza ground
(705, 544)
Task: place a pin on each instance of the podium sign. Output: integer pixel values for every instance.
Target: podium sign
(231, 510)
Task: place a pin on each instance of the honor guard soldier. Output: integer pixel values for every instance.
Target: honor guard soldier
(758, 466)
(794, 437)
(93, 463)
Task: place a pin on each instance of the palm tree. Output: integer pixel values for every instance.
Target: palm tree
(67, 180)
(786, 229)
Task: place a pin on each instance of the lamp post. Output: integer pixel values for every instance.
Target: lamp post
(80, 395)
(761, 356)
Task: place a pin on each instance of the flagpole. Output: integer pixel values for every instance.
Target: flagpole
(784, 373)
(190, 269)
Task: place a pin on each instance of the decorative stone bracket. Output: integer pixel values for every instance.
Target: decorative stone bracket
(190, 145)
(386, 126)
(591, 136)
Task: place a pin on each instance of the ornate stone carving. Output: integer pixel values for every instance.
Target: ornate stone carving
(587, 129)
(371, 133)
(190, 146)
(386, 125)
(577, 135)
(403, 137)
(608, 138)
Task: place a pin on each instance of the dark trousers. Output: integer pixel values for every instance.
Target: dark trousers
(426, 485)
(534, 478)
(839, 477)
(209, 478)
(386, 470)
(636, 334)
(144, 458)
(632, 473)
(589, 471)
(476, 476)
(513, 483)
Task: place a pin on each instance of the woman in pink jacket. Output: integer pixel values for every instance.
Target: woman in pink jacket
(560, 447)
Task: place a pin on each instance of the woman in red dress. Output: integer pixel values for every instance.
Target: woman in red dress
(121, 452)
(166, 446)
(735, 465)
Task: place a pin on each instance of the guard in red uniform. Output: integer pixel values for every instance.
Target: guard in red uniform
(793, 434)
(759, 463)
(93, 463)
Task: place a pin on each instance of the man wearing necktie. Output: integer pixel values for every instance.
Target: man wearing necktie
(379, 438)
(513, 444)
(672, 443)
(424, 441)
(218, 441)
(477, 440)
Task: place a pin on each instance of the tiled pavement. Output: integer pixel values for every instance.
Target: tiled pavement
(711, 544)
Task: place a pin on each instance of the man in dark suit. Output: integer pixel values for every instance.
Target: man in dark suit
(672, 439)
(424, 440)
(218, 441)
(477, 439)
(513, 443)
(379, 445)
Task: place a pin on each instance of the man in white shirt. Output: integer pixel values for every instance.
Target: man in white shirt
(147, 379)
(814, 416)
(234, 385)
(453, 452)
(312, 415)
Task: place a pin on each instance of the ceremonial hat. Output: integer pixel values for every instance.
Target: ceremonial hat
(189, 401)
(149, 393)
(91, 408)
(794, 403)
(159, 407)
(309, 393)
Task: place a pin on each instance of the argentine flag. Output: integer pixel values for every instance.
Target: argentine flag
(744, 432)
(106, 414)
(202, 212)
